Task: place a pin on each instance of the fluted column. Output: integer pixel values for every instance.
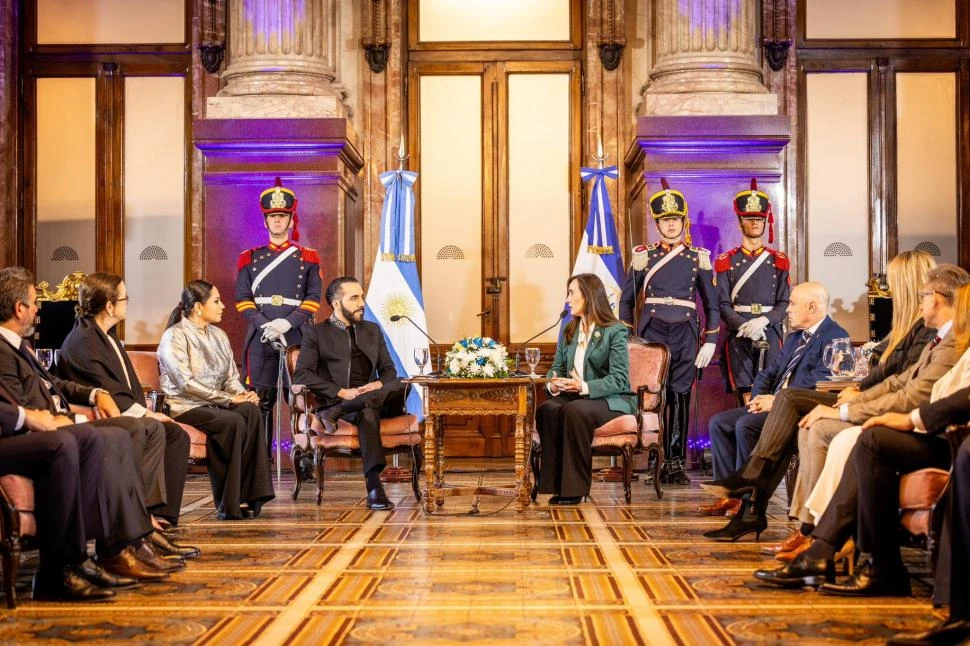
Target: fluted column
(707, 47)
(281, 61)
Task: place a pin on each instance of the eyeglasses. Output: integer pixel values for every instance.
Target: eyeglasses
(929, 292)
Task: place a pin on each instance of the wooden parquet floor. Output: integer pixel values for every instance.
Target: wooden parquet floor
(601, 573)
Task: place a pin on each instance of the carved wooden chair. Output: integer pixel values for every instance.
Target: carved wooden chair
(628, 435)
(401, 434)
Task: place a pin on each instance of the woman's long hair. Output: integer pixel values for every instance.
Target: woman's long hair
(94, 294)
(906, 275)
(961, 321)
(198, 291)
(597, 308)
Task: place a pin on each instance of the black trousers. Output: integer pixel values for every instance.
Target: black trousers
(733, 433)
(366, 412)
(954, 562)
(779, 435)
(866, 502)
(128, 518)
(177, 447)
(566, 423)
(239, 470)
(147, 453)
(67, 467)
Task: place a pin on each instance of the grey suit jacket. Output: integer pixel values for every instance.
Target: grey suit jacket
(909, 389)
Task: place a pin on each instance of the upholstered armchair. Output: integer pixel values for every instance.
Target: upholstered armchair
(628, 435)
(401, 434)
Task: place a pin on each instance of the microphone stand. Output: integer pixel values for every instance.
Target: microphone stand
(562, 315)
(437, 351)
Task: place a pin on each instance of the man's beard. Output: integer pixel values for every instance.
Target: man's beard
(353, 317)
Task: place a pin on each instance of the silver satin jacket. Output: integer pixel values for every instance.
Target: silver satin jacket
(197, 367)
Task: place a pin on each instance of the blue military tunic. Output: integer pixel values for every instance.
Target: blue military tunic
(669, 304)
(764, 293)
(289, 289)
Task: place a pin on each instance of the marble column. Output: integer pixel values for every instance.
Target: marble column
(706, 59)
(282, 57)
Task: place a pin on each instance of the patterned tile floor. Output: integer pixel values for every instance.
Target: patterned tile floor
(604, 573)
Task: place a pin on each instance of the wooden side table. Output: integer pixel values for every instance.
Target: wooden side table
(513, 396)
(829, 386)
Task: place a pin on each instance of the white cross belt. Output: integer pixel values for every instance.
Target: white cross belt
(667, 300)
(276, 299)
(754, 308)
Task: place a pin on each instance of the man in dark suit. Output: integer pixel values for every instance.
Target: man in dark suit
(65, 463)
(735, 432)
(344, 361)
(123, 550)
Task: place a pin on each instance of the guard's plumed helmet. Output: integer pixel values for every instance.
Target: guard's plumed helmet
(754, 203)
(668, 203)
(279, 200)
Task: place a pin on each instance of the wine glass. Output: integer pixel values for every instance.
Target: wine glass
(421, 356)
(57, 356)
(45, 357)
(532, 358)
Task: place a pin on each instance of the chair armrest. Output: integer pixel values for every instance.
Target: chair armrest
(302, 400)
(651, 400)
(956, 434)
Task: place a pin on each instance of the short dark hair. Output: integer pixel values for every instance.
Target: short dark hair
(15, 284)
(198, 291)
(336, 287)
(946, 279)
(94, 294)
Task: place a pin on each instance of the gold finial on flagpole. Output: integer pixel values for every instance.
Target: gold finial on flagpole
(401, 154)
(600, 156)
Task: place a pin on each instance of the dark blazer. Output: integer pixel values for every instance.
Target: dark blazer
(87, 357)
(810, 368)
(606, 367)
(8, 419)
(904, 355)
(19, 378)
(953, 409)
(324, 362)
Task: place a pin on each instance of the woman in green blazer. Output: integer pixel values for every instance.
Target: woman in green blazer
(590, 386)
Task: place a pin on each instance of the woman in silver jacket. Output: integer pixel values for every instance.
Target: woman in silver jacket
(202, 386)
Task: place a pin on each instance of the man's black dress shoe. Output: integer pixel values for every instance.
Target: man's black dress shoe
(68, 585)
(949, 634)
(377, 500)
(744, 522)
(164, 546)
(97, 575)
(565, 500)
(870, 580)
(799, 573)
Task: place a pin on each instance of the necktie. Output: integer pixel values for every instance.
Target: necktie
(52, 394)
(793, 362)
(936, 342)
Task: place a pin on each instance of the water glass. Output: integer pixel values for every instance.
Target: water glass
(45, 357)
(532, 358)
(421, 356)
(57, 356)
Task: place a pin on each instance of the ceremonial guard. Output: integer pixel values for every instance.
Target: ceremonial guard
(753, 289)
(278, 289)
(660, 301)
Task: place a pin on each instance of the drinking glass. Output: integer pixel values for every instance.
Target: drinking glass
(421, 356)
(532, 358)
(57, 356)
(839, 357)
(45, 357)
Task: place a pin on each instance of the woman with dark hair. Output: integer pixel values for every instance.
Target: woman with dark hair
(201, 382)
(590, 386)
(92, 354)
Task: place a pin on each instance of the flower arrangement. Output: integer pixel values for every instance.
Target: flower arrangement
(477, 357)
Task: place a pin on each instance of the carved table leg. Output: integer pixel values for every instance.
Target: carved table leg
(440, 458)
(429, 462)
(521, 490)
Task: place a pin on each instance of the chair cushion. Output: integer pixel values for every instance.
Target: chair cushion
(20, 491)
(921, 489)
(916, 521)
(618, 440)
(402, 430)
(197, 442)
(146, 368)
(622, 425)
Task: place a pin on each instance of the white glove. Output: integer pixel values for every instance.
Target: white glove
(269, 333)
(704, 355)
(753, 329)
(275, 329)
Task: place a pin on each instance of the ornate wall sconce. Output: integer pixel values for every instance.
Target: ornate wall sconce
(609, 39)
(213, 37)
(776, 49)
(375, 37)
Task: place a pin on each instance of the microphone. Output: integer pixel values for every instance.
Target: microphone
(563, 314)
(397, 317)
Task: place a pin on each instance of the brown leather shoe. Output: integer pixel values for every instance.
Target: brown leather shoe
(125, 564)
(789, 555)
(792, 541)
(719, 506)
(731, 512)
(145, 553)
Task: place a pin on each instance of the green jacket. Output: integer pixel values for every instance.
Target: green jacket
(606, 369)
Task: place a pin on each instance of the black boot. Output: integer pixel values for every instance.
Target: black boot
(674, 470)
(750, 518)
(267, 399)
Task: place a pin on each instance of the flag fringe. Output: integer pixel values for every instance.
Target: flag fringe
(600, 250)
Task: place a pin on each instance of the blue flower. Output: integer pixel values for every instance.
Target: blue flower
(481, 361)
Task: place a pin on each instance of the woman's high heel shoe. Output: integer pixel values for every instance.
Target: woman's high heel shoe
(746, 521)
(847, 555)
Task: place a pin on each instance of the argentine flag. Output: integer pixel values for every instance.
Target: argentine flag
(599, 250)
(394, 288)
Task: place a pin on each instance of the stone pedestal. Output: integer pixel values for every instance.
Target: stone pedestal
(318, 158)
(281, 62)
(709, 159)
(706, 59)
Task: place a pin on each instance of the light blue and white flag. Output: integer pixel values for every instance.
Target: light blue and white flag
(599, 250)
(394, 288)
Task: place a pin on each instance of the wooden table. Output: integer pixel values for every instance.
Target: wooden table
(513, 396)
(829, 386)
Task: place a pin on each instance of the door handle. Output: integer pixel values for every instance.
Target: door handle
(485, 312)
(493, 284)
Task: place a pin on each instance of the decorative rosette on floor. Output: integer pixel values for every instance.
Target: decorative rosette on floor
(477, 357)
